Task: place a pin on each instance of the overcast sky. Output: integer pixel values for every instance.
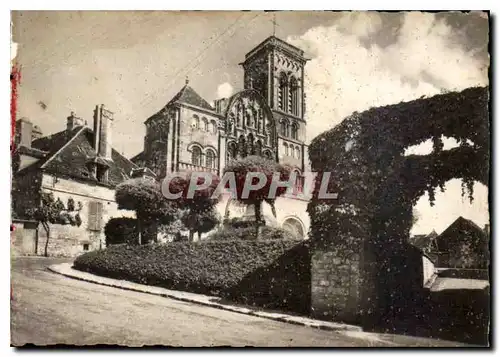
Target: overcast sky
(134, 62)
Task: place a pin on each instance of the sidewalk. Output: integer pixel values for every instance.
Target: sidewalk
(67, 270)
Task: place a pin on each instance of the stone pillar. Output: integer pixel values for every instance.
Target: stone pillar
(342, 286)
(335, 285)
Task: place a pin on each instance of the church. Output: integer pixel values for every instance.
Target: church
(266, 118)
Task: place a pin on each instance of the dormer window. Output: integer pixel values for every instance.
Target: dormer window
(102, 173)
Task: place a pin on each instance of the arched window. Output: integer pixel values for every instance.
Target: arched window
(196, 156)
(231, 151)
(294, 96)
(283, 92)
(284, 128)
(196, 122)
(210, 159)
(294, 131)
(297, 152)
(205, 124)
(250, 145)
(285, 145)
(249, 120)
(258, 148)
(213, 124)
(242, 146)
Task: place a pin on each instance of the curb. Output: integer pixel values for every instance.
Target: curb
(61, 269)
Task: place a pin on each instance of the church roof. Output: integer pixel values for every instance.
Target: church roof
(188, 95)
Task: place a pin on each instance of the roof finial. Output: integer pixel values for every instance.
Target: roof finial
(274, 24)
(187, 80)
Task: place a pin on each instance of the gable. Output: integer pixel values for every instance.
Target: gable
(69, 155)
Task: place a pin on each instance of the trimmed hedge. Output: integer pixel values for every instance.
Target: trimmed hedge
(121, 230)
(222, 268)
(248, 233)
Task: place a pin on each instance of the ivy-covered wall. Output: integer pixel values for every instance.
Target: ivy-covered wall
(378, 186)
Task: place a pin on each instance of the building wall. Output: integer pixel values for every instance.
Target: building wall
(67, 240)
(191, 135)
(429, 269)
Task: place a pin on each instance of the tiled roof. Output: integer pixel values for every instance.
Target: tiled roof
(458, 228)
(187, 95)
(69, 154)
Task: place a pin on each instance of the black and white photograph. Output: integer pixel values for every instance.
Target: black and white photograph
(250, 179)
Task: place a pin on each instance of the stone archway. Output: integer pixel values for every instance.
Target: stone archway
(294, 226)
(359, 240)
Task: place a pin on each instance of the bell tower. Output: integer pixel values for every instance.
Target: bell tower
(276, 69)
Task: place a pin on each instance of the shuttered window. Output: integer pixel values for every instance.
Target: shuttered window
(95, 216)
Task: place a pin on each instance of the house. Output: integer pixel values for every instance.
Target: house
(426, 243)
(80, 168)
(463, 245)
(266, 118)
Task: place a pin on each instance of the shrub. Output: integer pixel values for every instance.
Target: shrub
(242, 232)
(210, 267)
(121, 230)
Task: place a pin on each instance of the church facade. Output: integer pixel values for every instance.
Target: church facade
(266, 118)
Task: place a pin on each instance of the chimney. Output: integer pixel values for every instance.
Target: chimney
(24, 132)
(72, 122)
(105, 132)
(97, 126)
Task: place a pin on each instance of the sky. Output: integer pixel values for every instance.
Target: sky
(135, 62)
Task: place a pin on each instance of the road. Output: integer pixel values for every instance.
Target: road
(47, 308)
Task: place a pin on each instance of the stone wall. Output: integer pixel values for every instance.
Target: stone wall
(335, 285)
(67, 240)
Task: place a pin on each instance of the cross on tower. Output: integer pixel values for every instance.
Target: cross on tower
(274, 24)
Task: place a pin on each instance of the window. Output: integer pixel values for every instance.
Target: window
(205, 124)
(249, 120)
(283, 128)
(95, 216)
(210, 159)
(294, 131)
(196, 156)
(294, 88)
(258, 148)
(214, 126)
(101, 173)
(231, 151)
(283, 92)
(85, 246)
(297, 152)
(286, 149)
(196, 122)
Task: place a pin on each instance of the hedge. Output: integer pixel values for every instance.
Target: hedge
(248, 233)
(121, 230)
(221, 268)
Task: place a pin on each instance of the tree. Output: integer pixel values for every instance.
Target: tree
(143, 195)
(251, 164)
(198, 212)
(200, 221)
(52, 211)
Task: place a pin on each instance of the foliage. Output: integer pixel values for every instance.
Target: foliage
(53, 211)
(210, 267)
(229, 233)
(377, 184)
(121, 230)
(144, 196)
(198, 212)
(201, 221)
(250, 164)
